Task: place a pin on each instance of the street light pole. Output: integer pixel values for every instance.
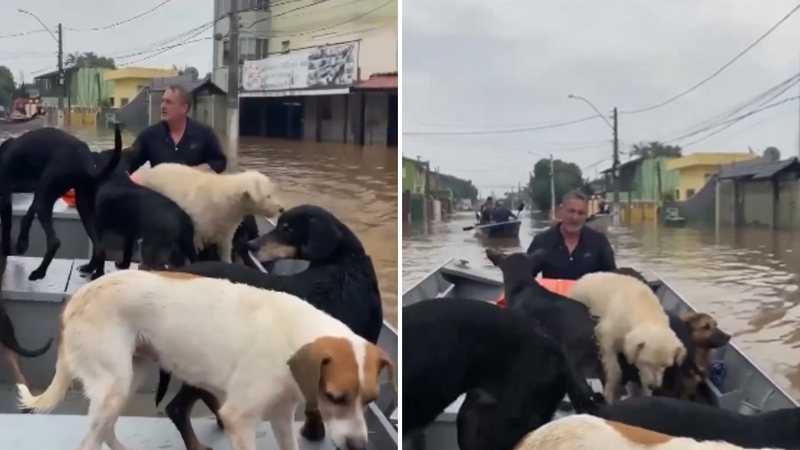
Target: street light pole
(59, 40)
(615, 163)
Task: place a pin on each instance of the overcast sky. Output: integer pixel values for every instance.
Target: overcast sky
(477, 65)
(38, 52)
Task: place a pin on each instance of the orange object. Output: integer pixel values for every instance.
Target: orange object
(556, 285)
(69, 198)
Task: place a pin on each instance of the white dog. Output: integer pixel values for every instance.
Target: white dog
(217, 203)
(631, 321)
(585, 432)
(263, 352)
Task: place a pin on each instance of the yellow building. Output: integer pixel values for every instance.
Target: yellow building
(695, 169)
(126, 83)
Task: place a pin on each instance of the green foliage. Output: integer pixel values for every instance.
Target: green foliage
(89, 59)
(655, 149)
(568, 176)
(7, 86)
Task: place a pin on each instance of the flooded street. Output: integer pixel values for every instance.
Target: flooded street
(747, 279)
(358, 184)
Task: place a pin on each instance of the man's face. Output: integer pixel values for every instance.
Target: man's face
(573, 215)
(172, 107)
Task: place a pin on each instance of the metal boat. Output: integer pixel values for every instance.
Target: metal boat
(34, 306)
(745, 387)
(498, 229)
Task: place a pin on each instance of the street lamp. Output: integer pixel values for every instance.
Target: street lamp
(58, 40)
(616, 151)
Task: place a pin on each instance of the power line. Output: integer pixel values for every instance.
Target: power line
(353, 19)
(116, 24)
(718, 71)
(164, 50)
(24, 33)
(740, 118)
(501, 130)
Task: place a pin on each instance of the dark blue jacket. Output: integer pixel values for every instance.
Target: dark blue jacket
(199, 145)
(592, 254)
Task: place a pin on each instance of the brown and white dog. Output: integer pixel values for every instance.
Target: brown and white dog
(585, 432)
(264, 352)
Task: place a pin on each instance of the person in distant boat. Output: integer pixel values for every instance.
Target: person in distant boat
(178, 138)
(501, 213)
(486, 210)
(572, 249)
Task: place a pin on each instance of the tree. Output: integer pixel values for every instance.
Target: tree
(656, 149)
(568, 176)
(7, 86)
(89, 59)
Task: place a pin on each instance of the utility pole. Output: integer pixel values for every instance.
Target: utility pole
(233, 87)
(552, 190)
(62, 92)
(614, 167)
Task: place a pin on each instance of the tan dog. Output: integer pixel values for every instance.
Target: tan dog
(217, 203)
(632, 321)
(264, 352)
(585, 432)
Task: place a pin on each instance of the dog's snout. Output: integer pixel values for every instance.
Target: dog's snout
(357, 443)
(281, 210)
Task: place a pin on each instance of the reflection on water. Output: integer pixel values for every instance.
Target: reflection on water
(358, 184)
(747, 279)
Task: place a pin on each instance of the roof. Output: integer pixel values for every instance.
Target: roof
(625, 164)
(708, 159)
(379, 81)
(139, 72)
(161, 84)
(54, 73)
(757, 169)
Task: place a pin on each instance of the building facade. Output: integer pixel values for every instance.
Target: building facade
(695, 170)
(322, 71)
(128, 82)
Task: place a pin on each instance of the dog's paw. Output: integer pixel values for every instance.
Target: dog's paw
(37, 274)
(122, 266)
(86, 268)
(26, 411)
(22, 246)
(313, 430)
(97, 275)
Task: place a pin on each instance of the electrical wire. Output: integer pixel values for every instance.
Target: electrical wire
(500, 130)
(122, 22)
(717, 72)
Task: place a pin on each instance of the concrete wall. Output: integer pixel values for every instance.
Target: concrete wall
(788, 212)
(727, 201)
(310, 118)
(694, 177)
(758, 203)
(333, 128)
(355, 119)
(376, 118)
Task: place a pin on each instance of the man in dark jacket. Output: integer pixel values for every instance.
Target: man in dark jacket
(572, 249)
(178, 138)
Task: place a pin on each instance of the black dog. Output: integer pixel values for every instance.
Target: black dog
(136, 212)
(8, 338)
(340, 280)
(778, 429)
(571, 324)
(516, 375)
(48, 162)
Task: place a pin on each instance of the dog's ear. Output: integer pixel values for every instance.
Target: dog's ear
(688, 318)
(322, 238)
(632, 348)
(306, 367)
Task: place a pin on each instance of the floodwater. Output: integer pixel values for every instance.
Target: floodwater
(357, 184)
(747, 279)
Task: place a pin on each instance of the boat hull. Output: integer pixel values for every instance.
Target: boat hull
(746, 388)
(499, 230)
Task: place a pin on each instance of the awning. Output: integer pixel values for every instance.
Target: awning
(294, 92)
(378, 82)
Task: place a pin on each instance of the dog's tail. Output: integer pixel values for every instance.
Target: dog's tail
(52, 396)
(163, 383)
(108, 170)
(9, 339)
(584, 400)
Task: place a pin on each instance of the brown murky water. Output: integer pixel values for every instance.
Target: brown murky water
(747, 279)
(358, 184)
